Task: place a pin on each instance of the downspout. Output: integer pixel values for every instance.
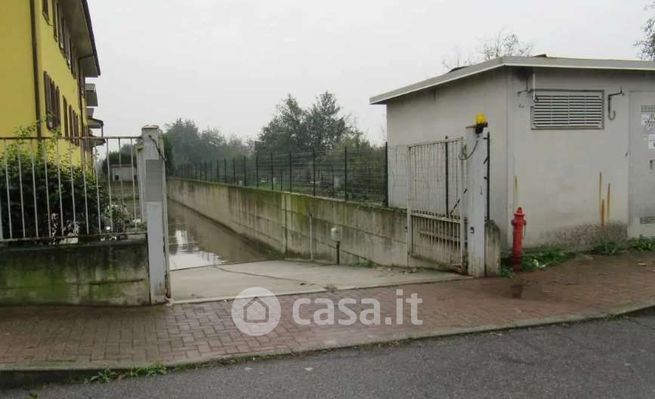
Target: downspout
(35, 69)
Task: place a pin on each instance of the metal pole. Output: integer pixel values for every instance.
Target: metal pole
(218, 170)
(345, 173)
(234, 171)
(257, 170)
(386, 174)
(447, 171)
(332, 178)
(290, 174)
(245, 175)
(314, 172)
(272, 173)
(225, 170)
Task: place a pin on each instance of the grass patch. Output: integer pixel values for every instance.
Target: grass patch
(608, 248)
(537, 259)
(545, 257)
(108, 375)
(642, 244)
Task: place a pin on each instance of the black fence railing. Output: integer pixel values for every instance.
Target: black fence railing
(350, 174)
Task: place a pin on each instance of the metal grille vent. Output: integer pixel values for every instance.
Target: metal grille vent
(568, 110)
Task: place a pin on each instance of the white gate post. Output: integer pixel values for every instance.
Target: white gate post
(152, 176)
(476, 201)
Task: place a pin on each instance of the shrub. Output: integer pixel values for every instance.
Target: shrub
(39, 199)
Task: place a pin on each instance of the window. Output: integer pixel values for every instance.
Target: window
(66, 119)
(45, 9)
(52, 104)
(568, 110)
(55, 17)
(60, 27)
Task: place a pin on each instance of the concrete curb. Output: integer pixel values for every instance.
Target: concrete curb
(29, 376)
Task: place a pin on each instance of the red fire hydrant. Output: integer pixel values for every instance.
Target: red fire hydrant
(517, 246)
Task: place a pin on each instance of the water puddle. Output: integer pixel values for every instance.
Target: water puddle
(196, 241)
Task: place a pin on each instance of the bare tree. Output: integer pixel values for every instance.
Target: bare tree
(503, 44)
(647, 44)
(457, 60)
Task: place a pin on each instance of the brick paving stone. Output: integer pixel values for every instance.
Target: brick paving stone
(81, 337)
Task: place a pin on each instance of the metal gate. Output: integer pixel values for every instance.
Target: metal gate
(436, 214)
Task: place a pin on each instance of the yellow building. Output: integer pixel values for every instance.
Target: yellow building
(48, 51)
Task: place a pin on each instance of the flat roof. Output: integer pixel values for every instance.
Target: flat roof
(511, 61)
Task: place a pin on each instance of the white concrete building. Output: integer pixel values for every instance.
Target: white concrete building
(578, 157)
(124, 172)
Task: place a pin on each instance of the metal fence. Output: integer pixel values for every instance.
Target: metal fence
(351, 175)
(436, 176)
(65, 190)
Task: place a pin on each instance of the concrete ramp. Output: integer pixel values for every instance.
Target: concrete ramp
(289, 277)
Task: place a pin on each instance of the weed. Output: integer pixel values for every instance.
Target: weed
(108, 375)
(607, 248)
(363, 263)
(543, 258)
(150, 371)
(102, 377)
(506, 271)
(643, 244)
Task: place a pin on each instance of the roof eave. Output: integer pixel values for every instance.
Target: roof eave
(529, 62)
(87, 15)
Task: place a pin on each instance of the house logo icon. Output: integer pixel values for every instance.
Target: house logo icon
(256, 311)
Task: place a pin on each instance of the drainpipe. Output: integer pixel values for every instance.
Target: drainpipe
(35, 69)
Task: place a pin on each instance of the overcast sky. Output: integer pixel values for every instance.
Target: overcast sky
(227, 63)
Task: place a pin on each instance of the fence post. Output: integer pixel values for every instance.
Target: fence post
(488, 178)
(234, 170)
(153, 178)
(345, 173)
(447, 181)
(290, 175)
(272, 172)
(476, 203)
(257, 170)
(245, 173)
(386, 173)
(314, 172)
(218, 170)
(332, 178)
(225, 170)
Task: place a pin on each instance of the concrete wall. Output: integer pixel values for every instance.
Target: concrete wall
(300, 225)
(560, 177)
(104, 273)
(282, 221)
(446, 111)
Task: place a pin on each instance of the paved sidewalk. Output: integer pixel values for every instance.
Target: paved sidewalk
(64, 338)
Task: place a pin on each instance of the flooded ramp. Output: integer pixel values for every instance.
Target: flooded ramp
(196, 241)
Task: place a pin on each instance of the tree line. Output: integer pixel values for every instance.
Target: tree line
(322, 128)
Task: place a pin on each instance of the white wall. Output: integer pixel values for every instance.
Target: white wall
(558, 171)
(446, 111)
(553, 174)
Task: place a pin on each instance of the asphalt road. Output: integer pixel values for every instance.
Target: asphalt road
(614, 359)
